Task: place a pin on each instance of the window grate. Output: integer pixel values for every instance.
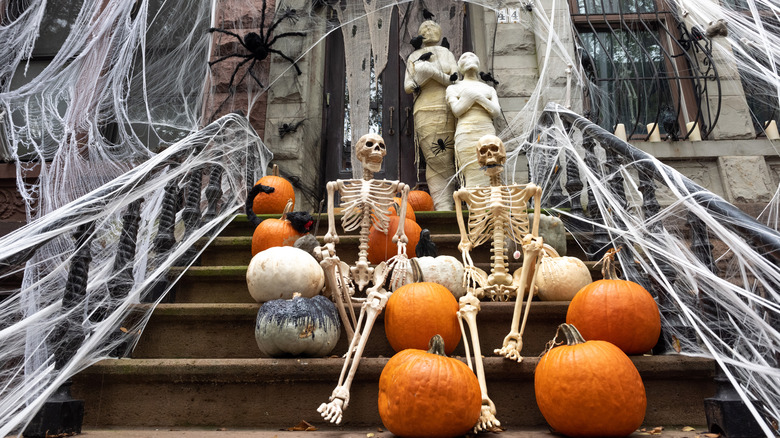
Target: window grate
(644, 68)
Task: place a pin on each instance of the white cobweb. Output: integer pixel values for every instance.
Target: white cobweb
(127, 106)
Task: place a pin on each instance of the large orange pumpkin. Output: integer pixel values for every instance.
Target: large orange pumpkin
(274, 232)
(417, 311)
(589, 389)
(396, 207)
(619, 311)
(428, 394)
(274, 203)
(381, 246)
(420, 200)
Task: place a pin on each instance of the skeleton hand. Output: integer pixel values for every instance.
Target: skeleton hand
(513, 343)
(487, 418)
(333, 411)
(473, 277)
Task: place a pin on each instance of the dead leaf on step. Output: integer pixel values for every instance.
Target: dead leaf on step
(304, 426)
(688, 429)
(676, 344)
(379, 429)
(221, 429)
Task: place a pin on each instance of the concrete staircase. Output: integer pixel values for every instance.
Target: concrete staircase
(197, 364)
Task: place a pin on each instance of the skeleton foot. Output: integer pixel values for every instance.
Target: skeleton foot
(487, 418)
(511, 348)
(334, 410)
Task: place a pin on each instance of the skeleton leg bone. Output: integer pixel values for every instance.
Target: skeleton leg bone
(469, 307)
(339, 399)
(513, 342)
(339, 290)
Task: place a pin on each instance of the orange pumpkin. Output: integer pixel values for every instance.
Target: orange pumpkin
(589, 389)
(274, 203)
(274, 232)
(420, 200)
(417, 311)
(619, 311)
(396, 207)
(428, 394)
(381, 246)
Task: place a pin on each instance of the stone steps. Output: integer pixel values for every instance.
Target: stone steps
(234, 250)
(227, 330)
(276, 393)
(227, 284)
(197, 363)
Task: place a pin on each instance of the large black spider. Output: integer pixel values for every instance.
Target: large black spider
(259, 45)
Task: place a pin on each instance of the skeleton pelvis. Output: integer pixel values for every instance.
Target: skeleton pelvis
(500, 292)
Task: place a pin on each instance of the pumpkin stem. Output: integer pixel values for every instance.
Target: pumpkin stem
(275, 170)
(436, 345)
(572, 335)
(609, 271)
(287, 208)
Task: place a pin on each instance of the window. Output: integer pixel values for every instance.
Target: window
(642, 67)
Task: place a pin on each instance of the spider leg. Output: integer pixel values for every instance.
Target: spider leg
(250, 69)
(288, 13)
(262, 21)
(234, 55)
(230, 85)
(227, 32)
(292, 61)
(235, 71)
(282, 35)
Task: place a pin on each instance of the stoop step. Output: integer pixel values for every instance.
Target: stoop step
(227, 330)
(277, 393)
(197, 364)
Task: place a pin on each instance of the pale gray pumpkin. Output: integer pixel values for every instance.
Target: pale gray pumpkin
(308, 327)
(560, 278)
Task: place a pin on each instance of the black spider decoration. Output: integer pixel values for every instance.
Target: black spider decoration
(286, 128)
(442, 144)
(259, 45)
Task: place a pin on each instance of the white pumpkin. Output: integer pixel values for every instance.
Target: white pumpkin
(279, 272)
(444, 270)
(560, 278)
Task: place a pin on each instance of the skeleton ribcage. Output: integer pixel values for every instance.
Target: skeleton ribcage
(510, 211)
(359, 197)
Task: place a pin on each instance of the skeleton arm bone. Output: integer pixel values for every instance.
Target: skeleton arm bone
(400, 238)
(331, 236)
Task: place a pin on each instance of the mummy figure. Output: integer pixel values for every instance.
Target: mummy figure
(496, 212)
(365, 202)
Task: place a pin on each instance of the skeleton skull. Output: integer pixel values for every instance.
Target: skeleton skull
(491, 154)
(370, 150)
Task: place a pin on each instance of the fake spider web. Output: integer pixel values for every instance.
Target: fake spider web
(129, 90)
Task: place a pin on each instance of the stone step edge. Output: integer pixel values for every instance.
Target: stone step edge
(540, 309)
(662, 367)
(344, 239)
(240, 270)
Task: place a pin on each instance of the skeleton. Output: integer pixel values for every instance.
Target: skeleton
(364, 202)
(496, 212)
